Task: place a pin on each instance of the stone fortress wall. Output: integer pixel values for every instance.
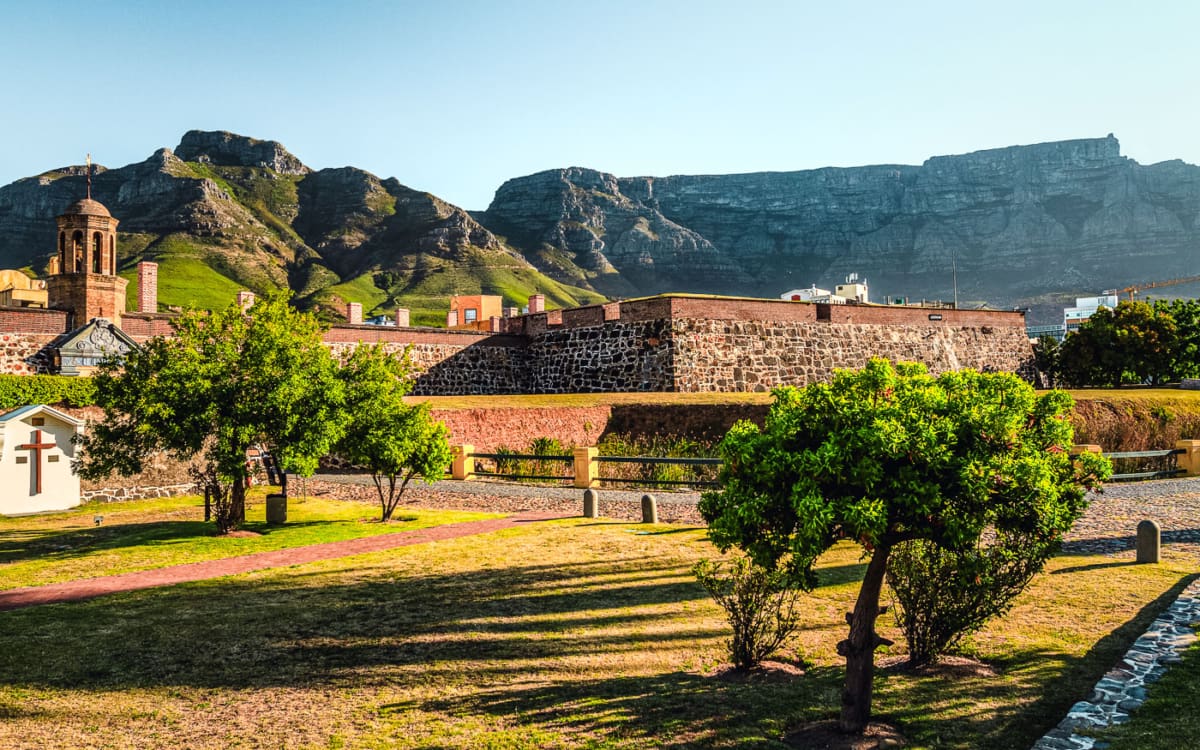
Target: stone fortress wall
(668, 343)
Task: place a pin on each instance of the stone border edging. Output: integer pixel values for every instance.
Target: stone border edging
(1123, 689)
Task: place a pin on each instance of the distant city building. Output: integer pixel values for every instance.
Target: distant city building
(853, 290)
(474, 311)
(1084, 308)
(18, 290)
(805, 295)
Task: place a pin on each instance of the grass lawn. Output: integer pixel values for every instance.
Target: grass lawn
(36, 550)
(573, 633)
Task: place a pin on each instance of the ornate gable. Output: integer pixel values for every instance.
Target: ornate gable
(85, 348)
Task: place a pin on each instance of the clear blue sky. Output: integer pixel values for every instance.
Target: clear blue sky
(456, 97)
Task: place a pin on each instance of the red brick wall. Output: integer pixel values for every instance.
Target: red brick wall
(32, 320)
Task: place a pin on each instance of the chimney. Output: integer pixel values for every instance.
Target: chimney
(147, 276)
(511, 312)
(452, 318)
(402, 317)
(354, 313)
(537, 303)
(245, 299)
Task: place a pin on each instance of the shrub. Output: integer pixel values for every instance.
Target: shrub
(758, 602)
(945, 595)
(20, 390)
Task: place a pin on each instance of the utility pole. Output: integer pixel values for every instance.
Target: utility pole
(954, 272)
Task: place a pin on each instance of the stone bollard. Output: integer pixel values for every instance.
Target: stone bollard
(649, 509)
(591, 504)
(1149, 542)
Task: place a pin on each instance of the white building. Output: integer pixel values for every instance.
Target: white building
(1085, 307)
(36, 450)
(805, 295)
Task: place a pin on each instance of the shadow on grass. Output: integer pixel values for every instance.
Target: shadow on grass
(18, 545)
(301, 629)
(1094, 566)
(1064, 680)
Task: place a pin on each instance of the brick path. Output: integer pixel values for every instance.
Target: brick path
(72, 591)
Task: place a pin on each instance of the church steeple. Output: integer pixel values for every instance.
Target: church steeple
(84, 278)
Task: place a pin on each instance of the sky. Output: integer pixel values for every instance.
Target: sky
(456, 97)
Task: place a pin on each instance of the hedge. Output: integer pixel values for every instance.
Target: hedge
(22, 390)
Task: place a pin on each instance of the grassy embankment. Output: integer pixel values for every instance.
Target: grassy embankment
(573, 633)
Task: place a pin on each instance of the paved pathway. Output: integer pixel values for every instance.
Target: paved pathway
(71, 591)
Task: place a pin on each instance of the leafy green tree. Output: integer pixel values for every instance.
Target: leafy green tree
(1134, 343)
(1185, 356)
(887, 454)
(395, 440)
(225, 382)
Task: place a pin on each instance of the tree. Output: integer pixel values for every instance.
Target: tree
(1045, 358)
(224, 382)
(887, 454)
(1134, 343)
(396, 441)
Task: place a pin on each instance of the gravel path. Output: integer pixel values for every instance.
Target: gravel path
(1108, 526)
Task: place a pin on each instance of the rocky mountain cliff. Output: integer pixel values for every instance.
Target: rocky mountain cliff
(223, 212)
(1017, 224)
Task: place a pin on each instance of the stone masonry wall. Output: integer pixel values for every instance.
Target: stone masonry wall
(610, 357)
(732, 356)
(22, 353)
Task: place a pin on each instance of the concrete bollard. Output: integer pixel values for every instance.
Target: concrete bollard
(649, 509)
(1149, 542)
(591, 504)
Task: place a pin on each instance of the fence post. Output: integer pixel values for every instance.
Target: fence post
(1189, 460)
(585, 467)
(1085, 448)
(463, 466)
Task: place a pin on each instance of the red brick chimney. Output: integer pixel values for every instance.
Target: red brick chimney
(147, 276)
(402, 317)
(245, 299)
(354, 313)
(537, 303)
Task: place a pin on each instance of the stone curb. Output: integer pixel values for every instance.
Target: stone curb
(1123, 689)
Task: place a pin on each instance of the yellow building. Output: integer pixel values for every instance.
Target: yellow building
(474, 311)
(18, 290)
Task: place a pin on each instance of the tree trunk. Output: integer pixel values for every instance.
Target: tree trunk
(237, 504)
(859, 648)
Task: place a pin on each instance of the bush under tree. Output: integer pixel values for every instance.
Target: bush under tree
(760, 605)
(944, 595)
(888, 454)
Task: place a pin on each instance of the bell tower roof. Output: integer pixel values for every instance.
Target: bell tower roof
(87, 207)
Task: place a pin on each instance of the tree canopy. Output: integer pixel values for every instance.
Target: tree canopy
(1136, 342)
(225, 382)
(887, 454)
(392, 439)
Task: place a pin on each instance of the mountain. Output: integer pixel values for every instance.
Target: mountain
(1016, 225)
(1023, 225)
(224, 212)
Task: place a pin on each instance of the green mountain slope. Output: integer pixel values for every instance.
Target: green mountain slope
(224, 212)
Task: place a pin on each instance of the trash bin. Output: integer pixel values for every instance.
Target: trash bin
(276, 508)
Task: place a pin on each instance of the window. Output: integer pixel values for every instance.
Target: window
(97, 253)
(470, 315)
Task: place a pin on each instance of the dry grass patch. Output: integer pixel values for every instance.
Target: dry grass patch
(562, 634)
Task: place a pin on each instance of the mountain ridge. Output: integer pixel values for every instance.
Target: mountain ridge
(1018, 224)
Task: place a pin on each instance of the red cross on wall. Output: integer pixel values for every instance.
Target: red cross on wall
(37, 446)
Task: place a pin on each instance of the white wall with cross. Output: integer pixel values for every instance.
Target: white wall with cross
(36, 451)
